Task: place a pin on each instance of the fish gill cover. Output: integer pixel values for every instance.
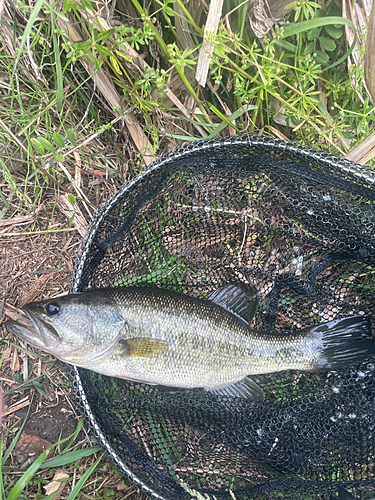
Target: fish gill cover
(298, 226)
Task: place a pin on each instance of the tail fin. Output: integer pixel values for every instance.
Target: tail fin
(345, 342)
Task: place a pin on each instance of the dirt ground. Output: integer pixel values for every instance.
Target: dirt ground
(35, 267)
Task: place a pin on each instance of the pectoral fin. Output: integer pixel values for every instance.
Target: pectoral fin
(143, 347)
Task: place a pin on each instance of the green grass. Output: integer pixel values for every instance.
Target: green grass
(83, 462)
(12, 486)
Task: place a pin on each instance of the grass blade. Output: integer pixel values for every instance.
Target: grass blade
(2, 491)
(345, 56)
(29, 25)
(83, 479)
(295, 28)
(75, 434)
(70, 457)
(228, 120)
(56, 52)
(14, 442)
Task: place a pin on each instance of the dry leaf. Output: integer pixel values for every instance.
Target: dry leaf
(28, 448)
(56, 484)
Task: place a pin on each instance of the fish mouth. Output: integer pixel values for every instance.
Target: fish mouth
(38, 334)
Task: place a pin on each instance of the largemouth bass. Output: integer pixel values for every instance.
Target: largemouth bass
(167, 338)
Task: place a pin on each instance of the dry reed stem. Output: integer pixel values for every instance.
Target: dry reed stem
(207, 48)
(364, 151)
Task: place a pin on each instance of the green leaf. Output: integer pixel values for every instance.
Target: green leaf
(68, 5)
(343, 58)
(286, 45)
(327, 43)
(58, 157)
(71, 199)
(319, 13)
(71, 136)
(46, 144)
(104, 51)
(39, 148)
(58, 139)
(17, 377)
(105, 34)
(309, 48)
(39, 387)
(295, 28)
(83, 45)
(321, 57)
(28, 384)
(313, 34)
(87, 4)
(335, 13)
(333, 32)
(61, 15)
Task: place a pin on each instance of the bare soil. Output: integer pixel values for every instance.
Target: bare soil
(35, 267)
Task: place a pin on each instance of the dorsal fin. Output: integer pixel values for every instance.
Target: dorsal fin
(239, 299)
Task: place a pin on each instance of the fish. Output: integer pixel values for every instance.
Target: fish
(162, 337)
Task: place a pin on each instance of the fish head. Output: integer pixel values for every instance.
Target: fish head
(78, 329)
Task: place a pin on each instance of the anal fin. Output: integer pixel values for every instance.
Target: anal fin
(246, 389)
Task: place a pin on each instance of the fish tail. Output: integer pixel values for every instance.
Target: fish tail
(346, 341)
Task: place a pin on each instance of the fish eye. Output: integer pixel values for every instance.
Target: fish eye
(52, 309)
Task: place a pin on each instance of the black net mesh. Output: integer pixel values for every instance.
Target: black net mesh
(299, 226)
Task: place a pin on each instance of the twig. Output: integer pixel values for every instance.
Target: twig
(16, 408)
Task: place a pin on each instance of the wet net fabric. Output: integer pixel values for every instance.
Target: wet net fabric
(296, 224)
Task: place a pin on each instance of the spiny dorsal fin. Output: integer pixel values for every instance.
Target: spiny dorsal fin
(240, 300)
